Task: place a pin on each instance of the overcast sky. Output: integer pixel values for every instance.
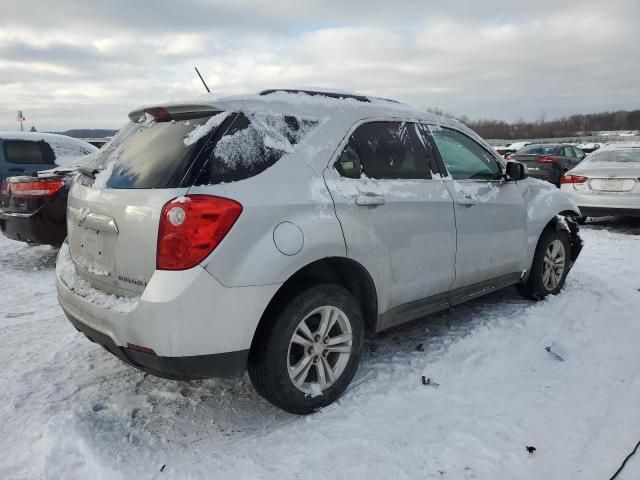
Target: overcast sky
(70, 64)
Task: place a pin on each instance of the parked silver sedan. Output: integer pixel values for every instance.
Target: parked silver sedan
(607, 182)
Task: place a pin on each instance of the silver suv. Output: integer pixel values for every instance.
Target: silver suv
(272, 232)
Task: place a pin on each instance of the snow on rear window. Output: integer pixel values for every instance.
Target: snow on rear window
(253, 142)
(264, 134)
(202, 130)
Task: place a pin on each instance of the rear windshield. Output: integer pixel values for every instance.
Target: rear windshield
(27, 152)
(537, 150)
(631, 155)
(222, 147)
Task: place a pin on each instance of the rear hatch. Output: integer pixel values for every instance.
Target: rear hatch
(114, 207)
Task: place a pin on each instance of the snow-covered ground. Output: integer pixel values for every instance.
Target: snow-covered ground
(70, 410)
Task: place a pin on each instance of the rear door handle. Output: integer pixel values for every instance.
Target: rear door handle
(367, 199)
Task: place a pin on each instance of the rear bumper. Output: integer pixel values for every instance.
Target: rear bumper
(602, 204)
(230, 364)
(46, 225)
(196, 326)
(607, 211)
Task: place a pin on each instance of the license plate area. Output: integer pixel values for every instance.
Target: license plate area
(94, 251)
(612, 184)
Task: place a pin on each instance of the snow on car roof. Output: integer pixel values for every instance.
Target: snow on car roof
(66, 149)
(346, 108)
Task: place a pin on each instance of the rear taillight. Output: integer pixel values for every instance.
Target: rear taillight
(191, 227)
(44, 188)
(546, 159)
(511, 157)
(568, 178)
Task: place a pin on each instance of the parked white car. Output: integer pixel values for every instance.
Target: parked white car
(270, 232)
(607, 182)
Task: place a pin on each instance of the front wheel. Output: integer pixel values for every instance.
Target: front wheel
(551, 264)
(309, 354)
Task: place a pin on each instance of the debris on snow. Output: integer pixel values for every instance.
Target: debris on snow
(530, 449)
(429, 382)
(558, 351)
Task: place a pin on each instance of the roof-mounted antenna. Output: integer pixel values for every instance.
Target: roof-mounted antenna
(202, 80)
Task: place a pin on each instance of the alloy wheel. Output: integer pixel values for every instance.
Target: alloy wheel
(554, 265)
(319, 349)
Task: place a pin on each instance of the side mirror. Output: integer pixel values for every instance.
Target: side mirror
(516, 171)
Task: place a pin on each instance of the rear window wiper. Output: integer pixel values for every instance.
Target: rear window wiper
(89, 172)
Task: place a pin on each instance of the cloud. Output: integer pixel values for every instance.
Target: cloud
(77, 64)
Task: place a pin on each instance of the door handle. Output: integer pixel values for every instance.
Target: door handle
(367, 199)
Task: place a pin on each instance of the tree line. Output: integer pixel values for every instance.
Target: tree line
(571, 126)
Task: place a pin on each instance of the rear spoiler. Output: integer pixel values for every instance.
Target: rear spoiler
(177, 111)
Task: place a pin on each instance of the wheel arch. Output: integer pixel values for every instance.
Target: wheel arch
(338, 270)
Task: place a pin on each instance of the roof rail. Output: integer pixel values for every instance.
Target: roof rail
(360, 98)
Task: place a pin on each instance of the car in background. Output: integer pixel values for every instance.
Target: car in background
(22, 153)
(589, 147)
(549, 161)
(607, 182)
(33, 207)
(511, 148)
(269, 232)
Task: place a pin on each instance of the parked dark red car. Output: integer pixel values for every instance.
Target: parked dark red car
(33, 209)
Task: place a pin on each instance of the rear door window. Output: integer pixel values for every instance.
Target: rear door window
(251, 144)
(27, 152)
(568, 152)
(464, 158)
(385, 150)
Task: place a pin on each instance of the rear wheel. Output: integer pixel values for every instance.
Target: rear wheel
(550, 266)
(307, 357)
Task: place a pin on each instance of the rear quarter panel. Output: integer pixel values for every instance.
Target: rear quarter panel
(291, 191)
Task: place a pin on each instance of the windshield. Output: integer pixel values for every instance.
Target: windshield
(627, 155)
(538, 150)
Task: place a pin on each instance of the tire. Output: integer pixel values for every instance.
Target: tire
(539, 285)
(276, 353)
